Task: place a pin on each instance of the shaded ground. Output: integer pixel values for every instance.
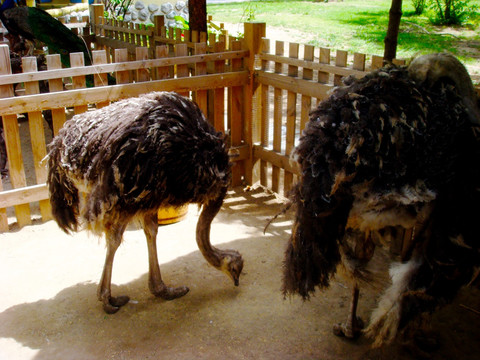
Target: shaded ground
(48, 306)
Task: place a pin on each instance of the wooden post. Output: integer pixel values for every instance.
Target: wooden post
(377, 62)
(77, 60)
(324, 76)
(219, 94)
(291, 117)
(341, 58)
(182, 70)
(277, 117)
(123, 77)
(141, 53)
(359, 61)
(262, 116)
(254, 32)
(37, 135)
(308, 55)
(162, 72)
(238, 123)
(100, 57)
(201, 69)
(96, 12)
(58, 114)
(12, 141)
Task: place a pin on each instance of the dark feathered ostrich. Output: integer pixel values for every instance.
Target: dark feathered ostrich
(125, 161)
(397, 149)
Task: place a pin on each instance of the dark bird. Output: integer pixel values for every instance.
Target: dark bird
(395, 150)
(36, 24)
(123, 162)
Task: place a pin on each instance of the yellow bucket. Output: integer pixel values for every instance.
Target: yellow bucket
(171, 215)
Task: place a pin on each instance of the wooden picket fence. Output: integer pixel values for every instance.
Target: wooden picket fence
(261, 96)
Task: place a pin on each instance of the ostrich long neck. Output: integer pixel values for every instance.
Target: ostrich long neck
(210, 253)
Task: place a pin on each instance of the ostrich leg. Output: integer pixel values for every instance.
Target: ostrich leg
(155, 283)
(111, 304)
(352, 327)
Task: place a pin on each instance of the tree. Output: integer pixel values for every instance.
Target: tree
(391, 39)
(197, 10)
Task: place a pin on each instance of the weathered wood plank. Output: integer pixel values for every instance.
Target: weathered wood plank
(276, 159)
(162, 72)
(322, 67)
(79, 82)
(201, 69)
(182, 69)
(37, 136)
(12, 141)
(291, 116)
(341, 58)
(308, 55)
(141, 54)
(23, 195)
(219, 94)
(58, 114)
(263, 115)
(296, 85)
(5, 91)
(277, 115)
(237, 116)
(100, 57)
(122, 76)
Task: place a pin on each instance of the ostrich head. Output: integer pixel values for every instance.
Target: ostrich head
(232, 264)
(432, 69)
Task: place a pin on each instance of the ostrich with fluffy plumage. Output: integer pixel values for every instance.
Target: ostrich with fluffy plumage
(396, 149)
(123, 162)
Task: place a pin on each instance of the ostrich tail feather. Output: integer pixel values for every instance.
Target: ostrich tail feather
(63, 193)
(312, 255)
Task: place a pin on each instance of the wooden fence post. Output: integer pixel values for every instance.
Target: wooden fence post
(79, 82)
(201, 69)
(96, 11)
(262, 116)
(37, 135)
(237, 109)
(5, 90)
(12, 141)
(58, 114)
(100, 57)
(254, 32)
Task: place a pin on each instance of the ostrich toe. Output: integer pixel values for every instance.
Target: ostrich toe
(349, 329)
(113, 304)
(170, 293)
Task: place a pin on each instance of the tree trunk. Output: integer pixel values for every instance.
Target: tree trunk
(392, 32)
(197, 10)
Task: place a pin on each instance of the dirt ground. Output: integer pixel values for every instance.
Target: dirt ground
(49, 310)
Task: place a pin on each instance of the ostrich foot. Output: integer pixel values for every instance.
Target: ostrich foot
(350, 329)
(168, 293)
(112, 304)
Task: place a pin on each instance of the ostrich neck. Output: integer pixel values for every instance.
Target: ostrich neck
(210, 253)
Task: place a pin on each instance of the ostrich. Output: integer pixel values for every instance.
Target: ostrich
(123, 162)
(396, 149)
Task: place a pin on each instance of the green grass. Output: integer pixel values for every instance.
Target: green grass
(356, 26)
